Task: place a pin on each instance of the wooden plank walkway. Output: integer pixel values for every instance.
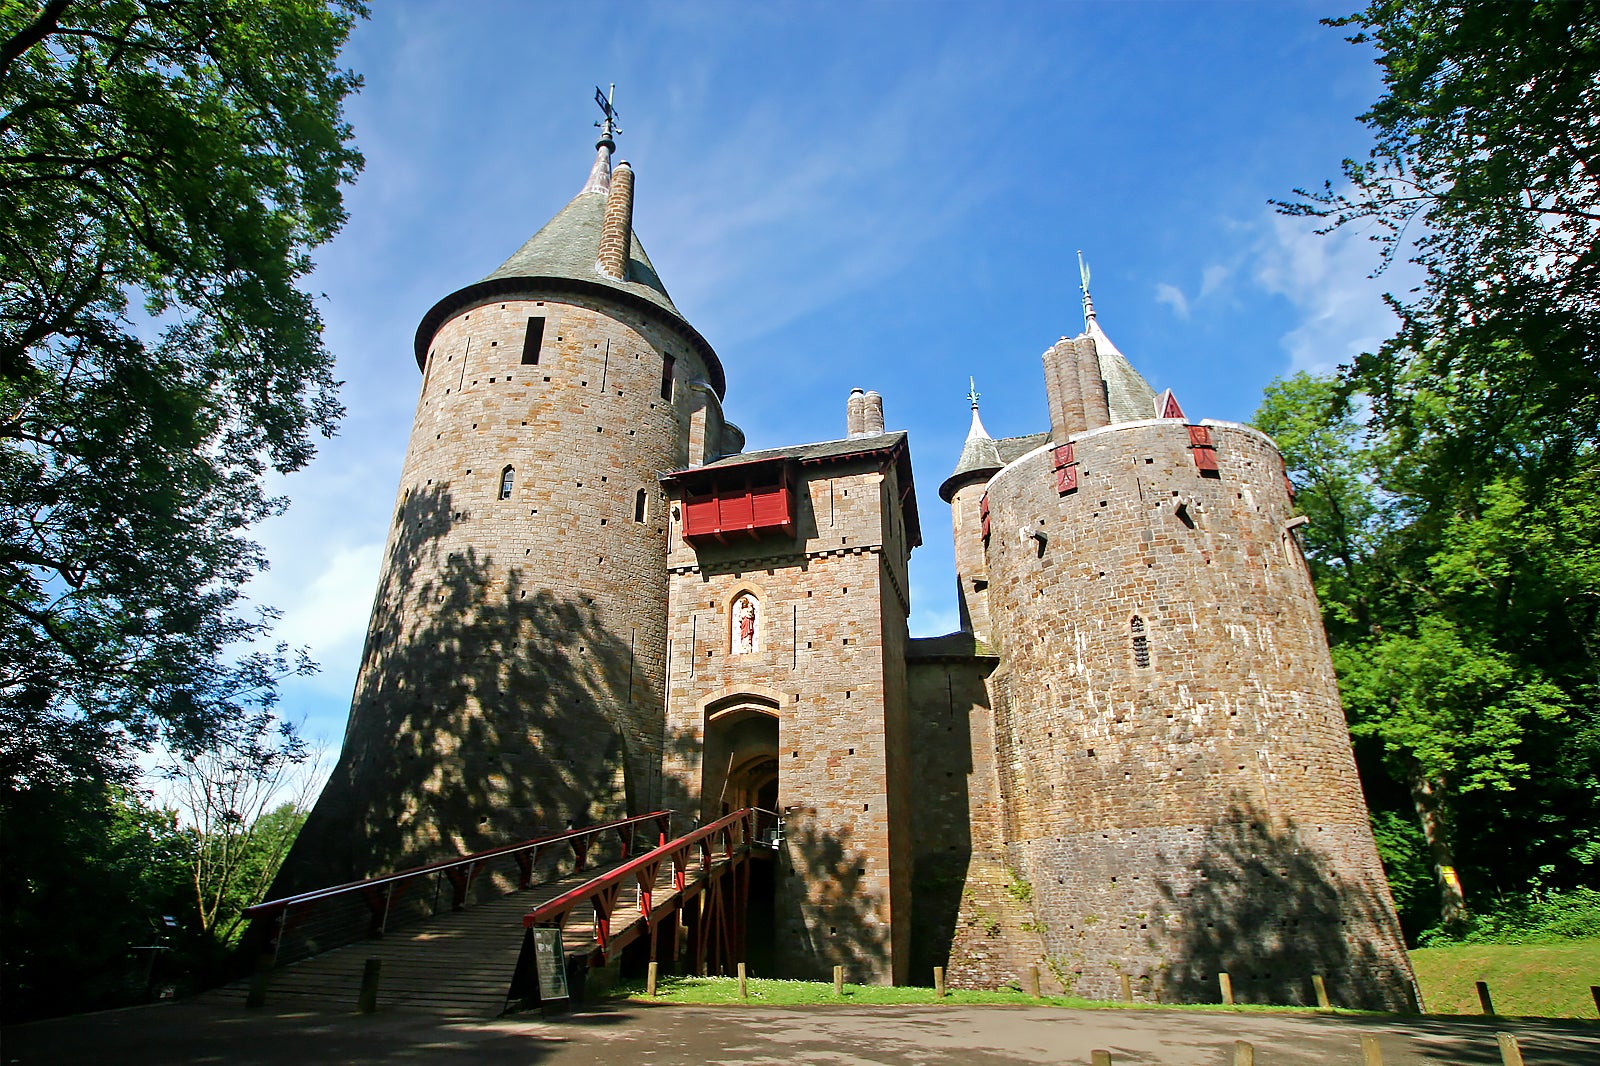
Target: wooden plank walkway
(456, 964)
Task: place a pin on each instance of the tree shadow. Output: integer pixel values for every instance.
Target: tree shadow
(486, 711)
(1260, 905)
(826, 916)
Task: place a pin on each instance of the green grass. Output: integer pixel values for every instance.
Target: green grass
(1525, 980)
(773, 993)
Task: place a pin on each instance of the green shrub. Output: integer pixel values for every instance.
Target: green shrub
(1544, 916)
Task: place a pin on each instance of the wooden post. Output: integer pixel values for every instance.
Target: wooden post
(1127, 988)
(1033, 980)
(1594, 993)
(1371, 1053)
(1244, 1053)
(368, 1000)
(650, 979)
(744, 992)
(1484, 999)
(838, 980)
(938, 981)
(1099, 1057)
(257, 996)
(1322, 991)
(1510, 1050)
(1225, 983)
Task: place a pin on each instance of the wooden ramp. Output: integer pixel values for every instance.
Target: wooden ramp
(456, 964)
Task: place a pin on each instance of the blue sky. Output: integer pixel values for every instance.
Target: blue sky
(884, 195)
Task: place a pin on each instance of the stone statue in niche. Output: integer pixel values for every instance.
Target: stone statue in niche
(744, 624)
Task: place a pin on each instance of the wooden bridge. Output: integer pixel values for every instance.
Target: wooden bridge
(456, 938)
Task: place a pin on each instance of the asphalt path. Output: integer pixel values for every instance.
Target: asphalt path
(199, 1032)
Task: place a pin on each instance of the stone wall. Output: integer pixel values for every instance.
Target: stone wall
(1176, 769)
(513, 675)
(829, 662)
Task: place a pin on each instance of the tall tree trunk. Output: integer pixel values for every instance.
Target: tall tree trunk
(1427, 794)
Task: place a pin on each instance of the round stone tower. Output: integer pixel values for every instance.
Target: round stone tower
(512, 680)
(1177, 776)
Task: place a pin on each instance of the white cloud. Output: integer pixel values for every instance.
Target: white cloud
(1213, 277)
(1326, 277)
(333, 610)
(1173, 297)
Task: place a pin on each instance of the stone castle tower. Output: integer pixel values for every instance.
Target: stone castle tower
(1130, 762)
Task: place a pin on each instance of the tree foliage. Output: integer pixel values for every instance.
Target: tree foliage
(164, 168)
(1453, 469)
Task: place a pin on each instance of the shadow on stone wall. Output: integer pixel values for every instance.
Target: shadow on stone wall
(1260, 906)
(844, 912)
(487, 712)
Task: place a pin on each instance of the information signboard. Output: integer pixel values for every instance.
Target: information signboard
(550, 962)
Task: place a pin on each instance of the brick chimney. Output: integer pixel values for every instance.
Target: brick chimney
(616, 232)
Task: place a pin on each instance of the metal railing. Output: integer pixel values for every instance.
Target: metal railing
(733, 831)
(299, 926)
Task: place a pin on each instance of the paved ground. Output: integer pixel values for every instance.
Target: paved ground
(201, 1032)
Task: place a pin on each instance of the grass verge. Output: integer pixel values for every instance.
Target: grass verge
(773, 993)
(1525, 980)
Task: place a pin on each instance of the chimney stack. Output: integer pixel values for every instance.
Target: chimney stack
(872, 415)
(616, 232)
(855, 414)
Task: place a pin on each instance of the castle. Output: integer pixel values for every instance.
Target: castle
(1130, 766)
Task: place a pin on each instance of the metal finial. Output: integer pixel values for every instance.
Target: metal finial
(972, 392)
(607, 101)
(1088, 302)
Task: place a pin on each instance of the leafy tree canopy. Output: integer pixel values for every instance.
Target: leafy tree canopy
(1485, 170)
(1450, 474)
(165, 166)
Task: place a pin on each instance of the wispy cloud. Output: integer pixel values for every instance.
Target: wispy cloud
(1173, 297)
(1326, 278)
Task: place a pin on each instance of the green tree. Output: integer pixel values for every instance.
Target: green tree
(164, 168)
(1466, 619)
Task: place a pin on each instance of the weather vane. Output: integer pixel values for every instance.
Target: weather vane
(1083, 272)
(608, 125)
(972, 391)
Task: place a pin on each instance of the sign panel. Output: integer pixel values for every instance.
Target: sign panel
(550, 962)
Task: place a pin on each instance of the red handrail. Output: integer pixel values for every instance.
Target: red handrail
(602, 891)
(274, 905)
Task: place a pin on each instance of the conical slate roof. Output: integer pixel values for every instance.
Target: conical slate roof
(567, 246)
(980, 457)
(1128, 395)
(562, 256)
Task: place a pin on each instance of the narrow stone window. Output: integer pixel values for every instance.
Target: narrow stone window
(508, 479)
(640, 505)
(532, 341)
(1141, 644)
(667, 363)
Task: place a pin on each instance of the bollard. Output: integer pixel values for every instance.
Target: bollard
(1033, 981)
(1371, 1053)
(1321, 986)
(1099, 1057)
(838, 980)
(650, 979)
(1594, 992)
(1225, 983)
(368, 1001)
(1483, 997)
(1510, 1050)
(1244, 1053)
(938, 981)
(744, 993)
(257, 996)
(1127, 988)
